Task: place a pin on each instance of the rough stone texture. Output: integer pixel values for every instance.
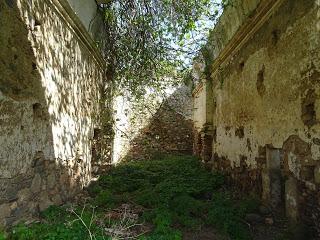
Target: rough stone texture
(155, 124)
(204, 133)
(266, 95)
(291, 199)
(49, 101)
(228, 24)
(272, 169)
(199, 112)
(168, 132)
(276, 116)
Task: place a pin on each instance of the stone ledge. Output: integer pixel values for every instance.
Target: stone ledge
(251, 25)
(197, 89)
(262, 14)
(63, 8)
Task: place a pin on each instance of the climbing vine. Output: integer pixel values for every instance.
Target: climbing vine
(150, 43)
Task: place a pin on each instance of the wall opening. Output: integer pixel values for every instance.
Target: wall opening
(308, 112)
(241, 66)
(239, 132)
(37, 111)
(275, 36)
(260, 82)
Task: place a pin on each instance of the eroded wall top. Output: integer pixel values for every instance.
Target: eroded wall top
(87, 11)
(238, 12)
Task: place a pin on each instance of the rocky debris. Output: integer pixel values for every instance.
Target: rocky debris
(45, 184)
(4, 211)
(269, 221)
(124, 222)
(254, 218)
(168, 132)
(263, 210)
(129, 211)
(36, 184)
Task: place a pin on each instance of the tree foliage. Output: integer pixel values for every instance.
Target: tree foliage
(149, 42)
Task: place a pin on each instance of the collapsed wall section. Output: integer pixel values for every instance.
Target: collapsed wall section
(156, 124)
(51, 74)
(265, 87)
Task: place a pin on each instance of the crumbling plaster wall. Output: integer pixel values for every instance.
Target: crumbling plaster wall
(202, 110)
(50, 79)
(229, 23)
(262, 93)
(264, 66)
(199, 112)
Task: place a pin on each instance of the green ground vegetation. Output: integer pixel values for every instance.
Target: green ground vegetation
(174, 193)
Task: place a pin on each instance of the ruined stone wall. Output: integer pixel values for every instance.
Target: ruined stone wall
(202, 120)
(168, 132)
(50, 79)
(155, 124)
(266, 86)
(202, 110)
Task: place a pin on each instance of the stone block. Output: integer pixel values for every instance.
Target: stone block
(266, 192)
(307, 173)
(5, 211)
(276, 184)
(57, 199)
(253, 218)
(51, 180)
(24, 195)
(45, 201)
(11, 193)
(273, 156)
(13, 206)
(36, 184)
(33, 208)
(291, 197)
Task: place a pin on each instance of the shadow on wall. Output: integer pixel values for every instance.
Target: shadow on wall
(49, 92)
(169, 132)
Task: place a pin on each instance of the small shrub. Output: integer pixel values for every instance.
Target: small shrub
(187, 211)
(94, 188)
(22, 232)
(225, 215)
(163, 219)
(58, 224)
(105, 199)
(2, 236)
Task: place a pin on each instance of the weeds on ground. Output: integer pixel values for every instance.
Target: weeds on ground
(2, 236)
(175, 192)
(227, 215)
(60, 223)
(297, 232)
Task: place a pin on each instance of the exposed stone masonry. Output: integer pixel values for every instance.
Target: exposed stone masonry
(50, 79)
(263, 62)
(169, 131)
(46, 183)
